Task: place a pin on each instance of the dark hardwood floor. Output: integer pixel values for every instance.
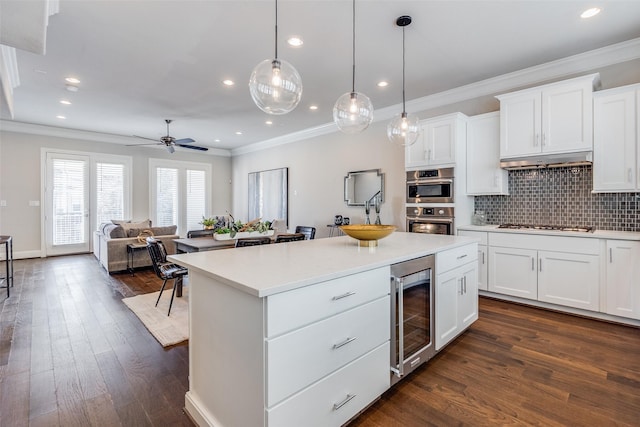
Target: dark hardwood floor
(72, 354)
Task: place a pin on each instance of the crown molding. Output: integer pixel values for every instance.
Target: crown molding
(554, 70)
(34, 129)
(9, 75)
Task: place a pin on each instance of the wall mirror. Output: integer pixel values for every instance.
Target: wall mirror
(268, 195)
(361, 186)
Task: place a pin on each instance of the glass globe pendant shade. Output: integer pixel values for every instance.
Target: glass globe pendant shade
(404, 129)
(353, 112)
(275, 86)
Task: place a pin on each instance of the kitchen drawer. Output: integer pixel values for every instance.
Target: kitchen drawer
(365, 378)
(453, 258)
(299, 358)
(290, 310)
(482, 235)
(578, 245)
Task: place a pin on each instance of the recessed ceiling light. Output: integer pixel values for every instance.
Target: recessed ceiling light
(216, 140)
(268, 122)
(590, 12)
(228, 82)
(313, 107)
(295, 41)
(383, 84)
(60, 117)
(238, 132)
(65, 102)
(71, 88)
(72, 80)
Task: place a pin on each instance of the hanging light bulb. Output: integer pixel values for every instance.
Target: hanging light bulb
(403, 129)
(353, 111)
(275, 85)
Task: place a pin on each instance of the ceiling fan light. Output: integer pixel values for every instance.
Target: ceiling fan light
(275, 86)
(404, 129)
(171, 149)
(353, 112)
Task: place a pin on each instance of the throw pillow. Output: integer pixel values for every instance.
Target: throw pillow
(120, 221)
(130, 225)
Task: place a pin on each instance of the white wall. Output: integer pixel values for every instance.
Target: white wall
(317, 168)
(20, 172)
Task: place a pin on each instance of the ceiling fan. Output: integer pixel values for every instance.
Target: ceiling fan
(171, 142)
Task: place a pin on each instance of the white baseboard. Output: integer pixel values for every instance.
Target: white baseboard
(22, 254)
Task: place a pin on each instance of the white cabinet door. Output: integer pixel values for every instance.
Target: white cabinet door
(555, 118)
(520, 125)
(484, 175)
(439, 141)
(513, 272)
(569, 279)
(623, 278)
(456, 296)
(416, 155)
(567, 117)
(468, 307)
(615, 141)
(483, 267)
(448, 288)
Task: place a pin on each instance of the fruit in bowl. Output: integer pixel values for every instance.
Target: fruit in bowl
(368, 234)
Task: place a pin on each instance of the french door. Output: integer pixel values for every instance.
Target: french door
(66, 187)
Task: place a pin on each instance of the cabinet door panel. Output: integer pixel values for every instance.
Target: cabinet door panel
(614, 143)
(448, 289)
(441, 142)
(623, 278)
(513, 272)
(520, 124)
(468, 310)
(484, 175)
(567, 118)
(569, 279)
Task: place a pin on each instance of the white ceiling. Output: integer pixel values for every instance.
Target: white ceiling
(143, 61)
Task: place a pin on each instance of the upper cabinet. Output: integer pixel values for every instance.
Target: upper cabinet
(439, 143)
(484, 175)
(554, 118)
(616, 143)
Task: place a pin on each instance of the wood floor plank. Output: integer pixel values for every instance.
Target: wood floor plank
(66, 329)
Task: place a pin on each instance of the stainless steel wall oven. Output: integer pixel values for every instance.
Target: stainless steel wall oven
(412, 315)
(430, 186)
(430, 220)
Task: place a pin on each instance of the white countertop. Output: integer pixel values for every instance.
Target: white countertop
(597, 234)
(269, 269)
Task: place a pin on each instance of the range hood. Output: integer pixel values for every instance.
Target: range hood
(556, 160)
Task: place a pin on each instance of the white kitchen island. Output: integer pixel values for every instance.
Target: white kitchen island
(295, 333)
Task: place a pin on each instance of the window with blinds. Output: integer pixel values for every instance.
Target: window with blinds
(180, 193)
(110, 192)
(68, 199)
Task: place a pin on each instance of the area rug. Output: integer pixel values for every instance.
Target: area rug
(168, 330)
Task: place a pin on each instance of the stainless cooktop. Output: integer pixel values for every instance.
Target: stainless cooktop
(547, 227)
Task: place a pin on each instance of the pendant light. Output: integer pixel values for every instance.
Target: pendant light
(275, 85)
(404, 129)
(353, 111)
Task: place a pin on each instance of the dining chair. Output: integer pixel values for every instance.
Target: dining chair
(281, 238)
(253, 241)
(309, 232)
(200, 233)
(163, 269)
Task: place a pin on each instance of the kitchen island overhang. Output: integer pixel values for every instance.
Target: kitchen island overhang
(269, 269)
(273, 341)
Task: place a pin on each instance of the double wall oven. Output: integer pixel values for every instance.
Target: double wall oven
(430, 197)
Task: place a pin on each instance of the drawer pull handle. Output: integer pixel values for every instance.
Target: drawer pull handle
(337, 297)
(462, 256)
(343, 343)
(346, 400)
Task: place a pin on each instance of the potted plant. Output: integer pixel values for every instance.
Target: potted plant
(208, 223)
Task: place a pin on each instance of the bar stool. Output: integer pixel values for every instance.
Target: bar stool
(7, 241)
